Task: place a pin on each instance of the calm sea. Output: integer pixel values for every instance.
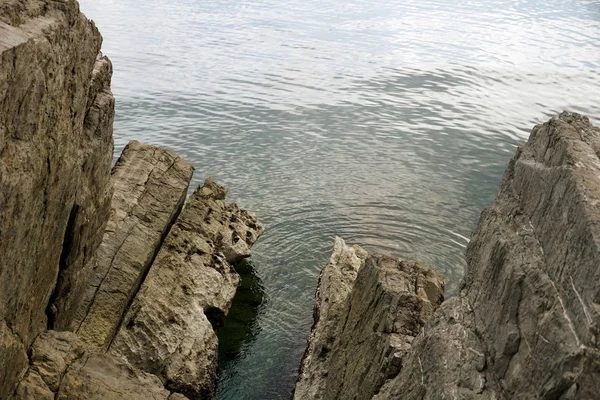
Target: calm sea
(388, 123)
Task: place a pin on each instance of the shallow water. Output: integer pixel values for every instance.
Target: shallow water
(387, 123)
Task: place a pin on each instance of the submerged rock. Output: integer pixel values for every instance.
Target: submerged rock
(150, 186)
(525, 324)
(168, 331)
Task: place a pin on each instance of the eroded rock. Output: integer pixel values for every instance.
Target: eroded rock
(168, 331)
(336, 281)
(51, 355)
(525, 324)
(533, 266)
(150, 185)
(55, 154)
(104, 377)
(372, 315)
(33, 387)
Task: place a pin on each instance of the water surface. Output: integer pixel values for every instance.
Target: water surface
(388, 123)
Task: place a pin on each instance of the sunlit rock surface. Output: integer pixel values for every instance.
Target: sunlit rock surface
(168, 331)
(150, 187)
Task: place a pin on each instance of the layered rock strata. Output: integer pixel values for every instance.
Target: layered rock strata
(150, 187)
(56, 114)
(368, 311)
(168, 330)
(525, 324)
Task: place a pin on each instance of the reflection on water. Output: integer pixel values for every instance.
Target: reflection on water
(388, 123)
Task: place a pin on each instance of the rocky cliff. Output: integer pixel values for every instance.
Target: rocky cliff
(56, 112)
(525, 324)
(111, 287)
(106, 291)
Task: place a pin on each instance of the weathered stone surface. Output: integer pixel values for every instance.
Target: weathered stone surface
(103, 377)
(446, 361)
(33, 387)
(525, 324)
(150, 186)
(88, 217)
(336, 281)
(13, 360)
(54, 166)
(534, 266)
(52, 353)
(60, 369)
(167, 331)
(368, 324)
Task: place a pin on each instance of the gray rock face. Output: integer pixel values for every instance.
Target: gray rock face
(88, 216)
(335, 285)
(168, 331)
(525, 324)
(55, 153)
(365, 320)
(447, 360)
(533, 266)
(150, 186)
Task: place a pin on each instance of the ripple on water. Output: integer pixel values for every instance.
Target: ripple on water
(386, 123)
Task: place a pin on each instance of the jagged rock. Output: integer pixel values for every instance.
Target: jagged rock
(525, 324)
(55, 155)
(529, 303)
(447, 360)
(369, 322)
(534, 266)
(93, 198)
(336, 281)
(150, 186)
(167, 331)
